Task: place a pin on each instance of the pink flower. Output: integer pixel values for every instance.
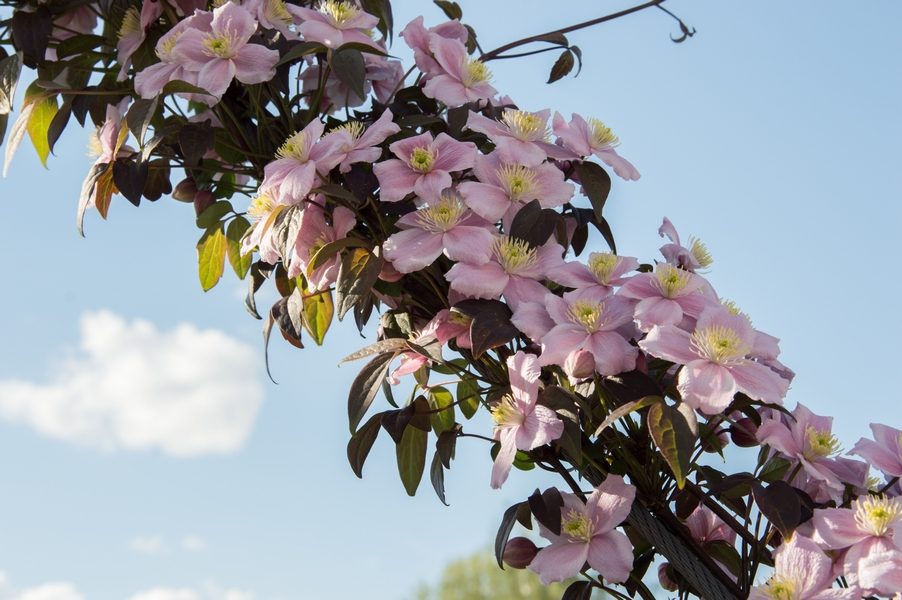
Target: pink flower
(301, 160)
(716, 361)
(462, 80)
(802, 572)
(357, 142)
(881, 571)
(423, 166)
(667, 296)
(149, 82)
(588, 534)
(314, 233)
(272, 14)
(884, 452)
(417, 37)
(586, 321)
(520, 423)
(693, 258)
(513, 271)
(263, 212)
(807, 439)
(443, 327)
(520, 137)
(444, 226)
(604, 270)
(385, 76)
(705, 526)
(593, 137)
(335, 24)
(224, 52)
(503, 188)
(133, 31)
(532, 318)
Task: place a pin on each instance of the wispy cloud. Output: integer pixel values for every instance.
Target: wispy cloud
(131, 386)
(146, 544)
(50, 591)
(193, 543)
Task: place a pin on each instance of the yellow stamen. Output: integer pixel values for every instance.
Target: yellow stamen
(820, 444)
(876, 514)
(165, 46)
(603, 265)
(261, 205)
(339, 12)
(355, 128)
(514, 254)
(296, 147)
(526, 126)
(506, 413)
(720, 344)
(601, 134)
(671, 280)
(780, 588)
(275, 11)
(220, 46)
(518, 182)
(576, 525)
(131, 22)
(587, 313)
(422, 159)
(475, 72)
(443, 215)
(700, 253)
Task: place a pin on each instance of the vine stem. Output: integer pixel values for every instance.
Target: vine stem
(492, 54)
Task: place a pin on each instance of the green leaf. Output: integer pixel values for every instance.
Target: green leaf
(411, 454)
(622, 411)
(673, 437)
(235, 231)
(39, 125)
(350, 68)
(10, 68)
(211, 251)
(562, 66)
(357, 274)
(468, 396)
(318, 311)
(361, 443)
(299, 51)
(329, 250)
(596, 184)
(508, 521)
(78, 44)
(213, 214)
(491, 325)
(364, 387)
(441, 401)
(139, 116)
(181, 87)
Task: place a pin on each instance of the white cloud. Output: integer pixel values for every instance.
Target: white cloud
(193, 543)
(50, 591)
(146, 544)
(161, 593)
(131, 386)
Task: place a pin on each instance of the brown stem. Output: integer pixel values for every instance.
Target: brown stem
(487, 56)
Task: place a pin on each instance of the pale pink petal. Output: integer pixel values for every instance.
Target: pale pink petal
(450, 54)
(611, 554)
(453, 155)
(559, 561)
(622, 167)
(532, 319)
(835, 528)
(487, 201)
(779, 437)
(560, 341)
(234, 21)
(318, 31)
(706, 386)
(613, 354)
(669, 343)
(541, 426)
(759, 382)
(430, 186)
(478, 281)
(216, 75)
(471, 245)
(446, 89)
(501, 468)
(524, 372)
(609, 505)
(412, 249)
(403, 148)
(657, 311)
(396, 179)
(255, 64)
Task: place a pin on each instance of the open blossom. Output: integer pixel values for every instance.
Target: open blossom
(423, 166)
(314, 233)
(444, 226)
(300, 161)
(716, 361)
(443, 327)
(588, 534)
(512, 271)
(802, 572)
(667, 296)
(520, 137)
(462, 80)
(225, 53)
(881, 571)
(149, 82)
(335, 23)
(263, 212)
(417, 37)
(503, 188)
(585, 138)
(884, 451)
(521, 423)
(693, 258)
(133, 31)
(602, 272)
(586, 322)
(272, 14)
(356, 142)
(808, 438)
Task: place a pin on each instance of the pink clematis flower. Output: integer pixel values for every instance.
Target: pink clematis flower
(133, 32)
(716, 361)
(807, 439)
(463, 79)
(423, 166)
(693, 258)
(603, 271)
(588, 534)
(224, 53)
(417, 37)
(263, 212)
(520, 423)
(445, 226)
(520, 137)
(300, 162)
(884, 451)
(513, 271)
(668, 295)
(149, 82)
(588, 323)
(503, 188)
(335, 24)
(802, 572)
(705, 526)
(443, 327)
(272, 14)
(357, 142)
(593, 137)
(314, 233)
(881, 572)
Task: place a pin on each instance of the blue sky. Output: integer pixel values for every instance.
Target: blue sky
(772, 135)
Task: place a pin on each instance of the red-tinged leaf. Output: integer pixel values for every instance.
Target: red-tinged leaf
(596, 184)
(437, 477)
(562, 66)
(411, 456)
(362, 442)
(366, 384)
(673, 437)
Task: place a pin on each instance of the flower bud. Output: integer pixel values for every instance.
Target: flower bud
(202, 201)
(185, 190)
(743, 433)
(664, 578)
(579, 364)
(519, 552)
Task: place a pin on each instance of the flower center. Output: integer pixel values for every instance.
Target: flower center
(518, 182)
(218, 45)
(354, 128)
(422, 159)
(131, 23)
(700, 253)
(719, 344)
(526, 126)
(576, 525)
(475, 72)
(443, 215)
(339, 12)
(261, 205)
(602, 265)
(514, 254)
(875, 514)
(275, 11)
(601, 135)
(297, 147)
(671, 280)
(820, 444)
(165, 46)
(781, 588)
(506, 413)
(587, 313)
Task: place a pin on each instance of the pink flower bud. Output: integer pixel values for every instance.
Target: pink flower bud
(519, 552)
(202, 201)
(743, 433)
(185, 191)
(664, 578)
(580, 364)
